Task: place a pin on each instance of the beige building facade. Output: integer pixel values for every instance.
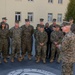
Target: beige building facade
(33, 9)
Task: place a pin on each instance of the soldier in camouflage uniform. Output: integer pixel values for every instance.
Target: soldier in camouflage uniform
(56, 37)
(35, 33)
(67, 50)
(4, 19)
(4, 34)
(27, 32)
(41, 38)
(15, 34)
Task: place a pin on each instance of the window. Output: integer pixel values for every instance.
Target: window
(59, 18)
(17, 16)
(60, 1)
(50, 17)
(50, 1)
(30, 0)
(30, 16)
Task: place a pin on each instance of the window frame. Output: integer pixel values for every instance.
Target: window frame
(17, 16)
(58, 18)
(60, 2)
(51, 17)
(30, 16)
(50, 1)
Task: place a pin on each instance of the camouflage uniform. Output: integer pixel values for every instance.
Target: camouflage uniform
(15, 34)
(7, 27)
(41, 37)
(27, 33)
(68, 53)
(56, 36)
(4, 34)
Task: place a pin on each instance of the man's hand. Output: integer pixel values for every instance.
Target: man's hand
(41, 44)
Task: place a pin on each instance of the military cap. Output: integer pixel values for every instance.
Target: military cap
(38, 25)
(41, 19)
(3, 23)
(4, 18)
(16, 21)
(56, 26)
(41, 26)
(71, 18)
(65, 24)
(54, 20)
(26, 20)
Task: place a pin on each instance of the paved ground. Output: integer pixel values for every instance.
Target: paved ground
(54, 68)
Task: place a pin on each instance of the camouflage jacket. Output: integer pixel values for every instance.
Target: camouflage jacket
(27, 32)
(4, 35)
(68, 48)
(41, 37)
(56, 36)
(15, 33)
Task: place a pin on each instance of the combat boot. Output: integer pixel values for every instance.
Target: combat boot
(44, 61)
(22, 57)
(19, 59)
(12, 60)
(38, 60)
(51, 60)
(58, 61)
(29, 57)
(5, 60)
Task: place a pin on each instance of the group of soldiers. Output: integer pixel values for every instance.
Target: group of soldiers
(51, 41)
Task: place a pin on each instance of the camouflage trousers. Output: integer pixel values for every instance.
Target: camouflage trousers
(4, 47)
(67, 68)
(16, 47)
(26, 47)
(54, 50)
(41, 51)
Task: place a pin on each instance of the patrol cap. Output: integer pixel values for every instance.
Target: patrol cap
(54, 20)
(3, 23)
(16, 21)
(41, 19)
(57, 26)
(26, 20)
(65, 24)
(41, 26)
(54, 26)
(71, 18)
(4, 18)
(38, 25)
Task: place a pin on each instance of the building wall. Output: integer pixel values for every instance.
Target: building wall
(40, 9)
